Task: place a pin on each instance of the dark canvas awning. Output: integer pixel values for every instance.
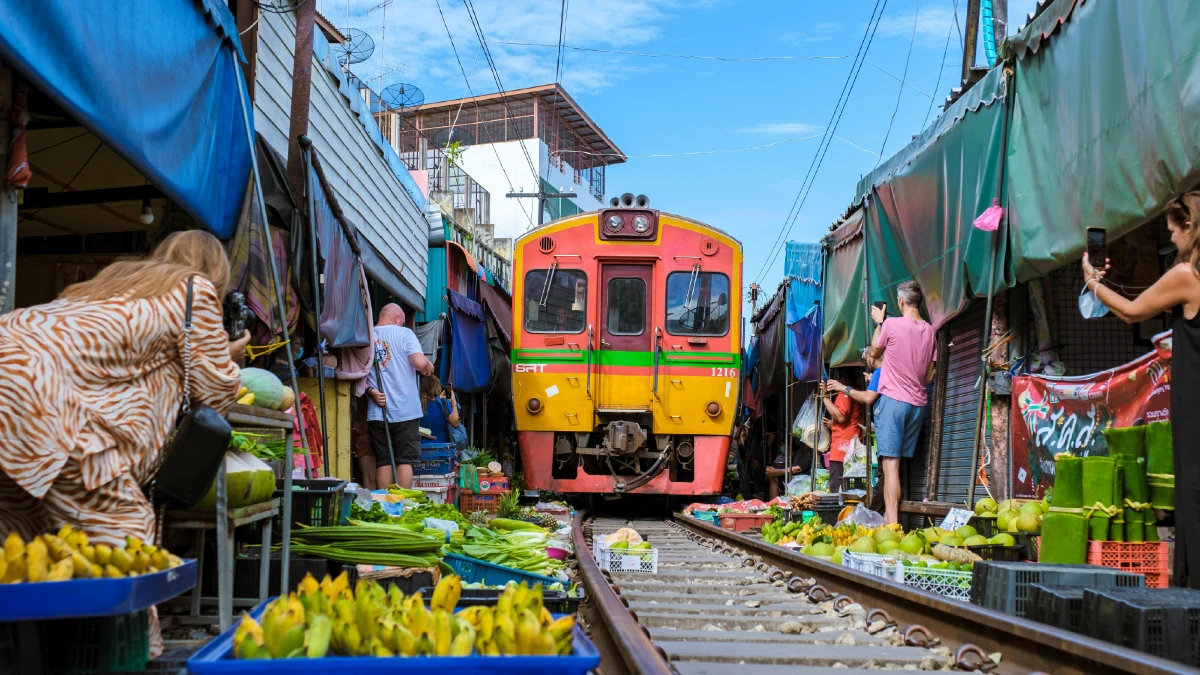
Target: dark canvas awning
(156, 80)
(469, 367)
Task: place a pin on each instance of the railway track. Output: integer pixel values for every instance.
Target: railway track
(725, 603)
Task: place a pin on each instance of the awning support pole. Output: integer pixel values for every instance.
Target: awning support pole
(285, 552)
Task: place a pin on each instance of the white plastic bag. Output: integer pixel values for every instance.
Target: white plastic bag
(855, 463)
(799, 485)
(807, 425)
(861, 515)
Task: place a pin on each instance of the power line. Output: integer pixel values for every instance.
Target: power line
(904, 77)
(818, 159)
(945, 51)
(467, 80)
(558, 69)
(671, 56)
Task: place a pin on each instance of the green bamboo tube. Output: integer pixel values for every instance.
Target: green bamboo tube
(1117, 526)
(1098, 495)
(1127, 442)
(1160, 465)
(1135, 499)
(1064, 539)
(1068, 483)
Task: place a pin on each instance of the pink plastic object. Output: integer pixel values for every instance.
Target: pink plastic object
(989, 220)
(557, 553)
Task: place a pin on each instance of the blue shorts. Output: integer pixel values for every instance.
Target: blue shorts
(897, 426)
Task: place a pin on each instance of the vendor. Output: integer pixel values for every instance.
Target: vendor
(91, 386)
(1178, 292)
(778, 473)
(441, 409)
(844, 422)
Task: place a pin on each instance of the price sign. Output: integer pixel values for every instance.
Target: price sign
(956, 519)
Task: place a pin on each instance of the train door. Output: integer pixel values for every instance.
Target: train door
(626, 338)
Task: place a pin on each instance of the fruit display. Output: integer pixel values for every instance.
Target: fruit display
(262, 388)
(69, 555)
(1013, 516)
(329, 618)
(248, 480)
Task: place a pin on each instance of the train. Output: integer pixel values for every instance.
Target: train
(626, 362)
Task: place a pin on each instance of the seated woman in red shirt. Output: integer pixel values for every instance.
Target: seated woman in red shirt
(845, 418)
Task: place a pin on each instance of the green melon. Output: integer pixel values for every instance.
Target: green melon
(267, 389)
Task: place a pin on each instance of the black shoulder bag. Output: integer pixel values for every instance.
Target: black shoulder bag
(201, 438)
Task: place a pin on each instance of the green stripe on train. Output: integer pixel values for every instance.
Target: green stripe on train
(622, 358)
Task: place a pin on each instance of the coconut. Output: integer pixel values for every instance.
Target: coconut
(245, 483)
(987, 505)
(264, 477)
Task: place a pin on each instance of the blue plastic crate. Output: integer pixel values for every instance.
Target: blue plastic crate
(214, 659)
(79, 598)
(706, 516)
(475, 571)
(437, 450)
(436, 459)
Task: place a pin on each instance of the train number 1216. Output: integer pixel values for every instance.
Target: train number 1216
(724, 372)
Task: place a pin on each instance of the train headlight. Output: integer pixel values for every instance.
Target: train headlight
(533, 405)
(641, 224)
(615, 223)
(713, 408)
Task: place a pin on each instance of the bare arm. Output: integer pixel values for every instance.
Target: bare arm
(453, 418)
(864, 397)
(1175, 287)
(420, 363)
(929, 371)
(834, 413)
(874, 350)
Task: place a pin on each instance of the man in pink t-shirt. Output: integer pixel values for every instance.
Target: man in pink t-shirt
(906, 344)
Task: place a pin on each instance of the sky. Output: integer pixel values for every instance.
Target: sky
(725, 142)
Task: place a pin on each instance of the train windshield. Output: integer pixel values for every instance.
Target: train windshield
(555, 300)
(697, 303)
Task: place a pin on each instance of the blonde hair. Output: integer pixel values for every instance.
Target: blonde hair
(431, 389)
(1184, 212)
(179, 256)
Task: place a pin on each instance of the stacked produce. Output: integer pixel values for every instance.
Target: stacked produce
(1099, 507)
(1160, 465)
(1065, 529)
(1013, 516)
(69, 555)
(370, 544)
(512, 543)
(328, 617)
(1128, 448)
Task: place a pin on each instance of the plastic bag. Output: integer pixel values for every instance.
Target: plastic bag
(855, 463)
(799, 485)
(861, 515)
(806, 426)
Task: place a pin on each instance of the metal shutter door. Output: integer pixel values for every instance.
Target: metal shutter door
(962, 401)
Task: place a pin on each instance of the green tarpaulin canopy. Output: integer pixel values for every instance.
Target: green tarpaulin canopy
(844, 316)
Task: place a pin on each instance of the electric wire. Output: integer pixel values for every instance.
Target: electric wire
(818, 159)
(272, 8)
(467, 80)
(942, 69)
(671, 56)
(558, 69)
(900, 95)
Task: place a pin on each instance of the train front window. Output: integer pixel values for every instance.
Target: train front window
(555, 300)
(626, 306)
(697, 303)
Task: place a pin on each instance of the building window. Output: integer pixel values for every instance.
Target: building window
(626, 306)
(555, 301)
(697, 303)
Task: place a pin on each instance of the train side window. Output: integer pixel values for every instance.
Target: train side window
(626, 306)
(555, 300)
(697, 303)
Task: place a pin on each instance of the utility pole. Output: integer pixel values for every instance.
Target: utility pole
(999, 23)
(306, 14)
(970, 41)
(542, 196)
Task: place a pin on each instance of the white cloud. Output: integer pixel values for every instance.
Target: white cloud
(415, 39)
(780, 128)
(932, 25)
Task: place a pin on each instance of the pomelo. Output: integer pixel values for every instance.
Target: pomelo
(888, 545)
(1031, 507)
(1003, 539)
(863, 545)
(821, 549)
(912, 544)
(976, 540)
(1028, 522)
(1005, 519)
(951, 541)
(966, 532)
(985, 505)
(837, 555)
(886, 535)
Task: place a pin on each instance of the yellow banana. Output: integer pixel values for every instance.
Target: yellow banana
(395, 597)
(174, 560)
(344, 610)
(561, 626)
(527, 632)
(61, 571)
(543, 645)
(564, 646)
(132, 544)
(425, 646)
(442, 636)
(82, 568)
(140, 562)
(403, 641)
(112, 572)
(487, 623)
(505, 625)
(14, 547)
(57, 547)
(97, 571)
(366, 614)
(122, 560)
(293, 642)
(307, 585)
(545, 618)
(37, 560)
(3, 568)
(504, 645)
(247, 638)
(103, 554)
(160, 559)
(418, 618)
(492, 649)
(377, 648)
(462, 645)
(446, 594)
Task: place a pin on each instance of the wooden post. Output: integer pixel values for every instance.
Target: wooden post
(998, 445)
(970, 40)
(8, 202)
(306, 15)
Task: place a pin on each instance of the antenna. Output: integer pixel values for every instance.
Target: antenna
(402, 95)
(358, 47)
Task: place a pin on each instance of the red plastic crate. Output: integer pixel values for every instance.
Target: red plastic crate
(743, 522)
(469, 502)
(1149, 559)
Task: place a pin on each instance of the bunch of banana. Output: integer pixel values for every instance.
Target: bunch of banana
(519, 624)
(287, 630)
(69, 555)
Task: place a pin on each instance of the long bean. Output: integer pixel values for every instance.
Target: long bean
(367, 557)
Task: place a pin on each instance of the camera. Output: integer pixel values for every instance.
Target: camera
(237, 315)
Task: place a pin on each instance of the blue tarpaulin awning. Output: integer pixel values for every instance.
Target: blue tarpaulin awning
(156, 80)
(470, 368)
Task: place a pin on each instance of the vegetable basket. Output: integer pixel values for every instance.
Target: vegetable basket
(215, 659)
(625, 560)
(473, 571)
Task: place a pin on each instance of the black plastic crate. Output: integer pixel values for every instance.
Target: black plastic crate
(408, 585)
(1163, 622)
(246, 570)
(318, 503)
(558, 602)
(997, 552)
(1004, 586)
(985, 526)
(96, 645)
(1058, 606)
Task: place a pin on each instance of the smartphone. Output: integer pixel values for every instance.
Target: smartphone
(1096, 246)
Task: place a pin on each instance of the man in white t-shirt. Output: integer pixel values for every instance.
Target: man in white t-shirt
(399, 356)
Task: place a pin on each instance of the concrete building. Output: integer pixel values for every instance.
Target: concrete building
(525, 140)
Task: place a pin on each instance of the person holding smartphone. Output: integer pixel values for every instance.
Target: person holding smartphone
(844, 421)
(1178, 291)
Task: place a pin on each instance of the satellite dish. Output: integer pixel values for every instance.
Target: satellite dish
(358, 47)
(402, 95)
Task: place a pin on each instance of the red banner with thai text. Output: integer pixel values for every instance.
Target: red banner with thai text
(1069, 414)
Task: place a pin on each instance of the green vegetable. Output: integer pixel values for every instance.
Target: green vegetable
(518, 550)
(511, 525)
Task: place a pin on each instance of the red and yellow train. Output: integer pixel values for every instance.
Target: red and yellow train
(626, 352)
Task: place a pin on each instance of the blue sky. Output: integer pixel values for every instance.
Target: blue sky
(670, 106)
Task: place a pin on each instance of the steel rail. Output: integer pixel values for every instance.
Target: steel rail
(1026, 646)
(629, 639)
